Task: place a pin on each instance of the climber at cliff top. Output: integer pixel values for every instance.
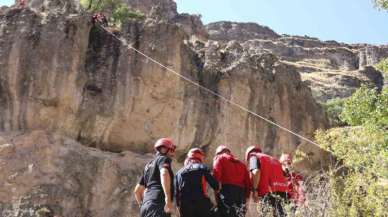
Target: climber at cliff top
(100, 18)
(154, 192)
(21, 3)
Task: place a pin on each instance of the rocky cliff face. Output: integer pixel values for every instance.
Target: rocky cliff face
(330, 69)
(45, 175)
(75, 81)
(60, 73)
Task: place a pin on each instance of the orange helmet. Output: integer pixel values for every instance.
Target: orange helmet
(164, 142)
(221, 149)
(251, 149)
(196, 153)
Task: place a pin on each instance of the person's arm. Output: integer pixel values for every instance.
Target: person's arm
(166, 185)
(164, 167)
(217, 169)
(211, 180)
(247, 183)
(139, 192)
(254, 169)
(213, 184)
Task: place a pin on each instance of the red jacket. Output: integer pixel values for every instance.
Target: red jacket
(229, 170)
(271, 175)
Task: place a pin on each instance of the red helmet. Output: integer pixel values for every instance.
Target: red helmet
(164, 142)
(221, 148)
(251, 149)
(196, 153)
(286, 158)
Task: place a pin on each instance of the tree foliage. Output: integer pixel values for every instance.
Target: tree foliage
(360, 187)
(118, 10)
(383, 66)
(333, 110)
(381, 4)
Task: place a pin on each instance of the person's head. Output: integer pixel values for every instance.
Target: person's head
(286, 160)
(222, 149)
(251, 150)
(195, 155)
(165, 146)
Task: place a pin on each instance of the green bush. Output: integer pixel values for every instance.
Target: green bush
(383, 66)
(367, 107)
(381, 4)
(358, 184)
(122, 13)
(118, 10)
(333, 110)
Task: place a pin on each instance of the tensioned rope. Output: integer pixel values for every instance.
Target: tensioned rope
(212, 92)
(207, 89)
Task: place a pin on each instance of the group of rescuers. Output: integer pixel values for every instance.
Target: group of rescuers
(263, 178)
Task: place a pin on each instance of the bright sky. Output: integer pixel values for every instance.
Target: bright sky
(351, 21)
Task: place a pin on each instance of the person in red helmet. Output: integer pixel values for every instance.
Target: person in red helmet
(154, 192)
(235, 183)
(100, 18)
(190, 186)
(268, 181)
(294, 181)
(21, 3)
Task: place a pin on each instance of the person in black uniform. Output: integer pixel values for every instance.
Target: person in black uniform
(190, 186)
(154, 192)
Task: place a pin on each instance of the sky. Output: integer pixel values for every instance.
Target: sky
(350, 21)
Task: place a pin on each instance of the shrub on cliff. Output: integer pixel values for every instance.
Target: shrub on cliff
(383, 66)
(118, 10)
(382, 4)
(333, 110)
(358, 184)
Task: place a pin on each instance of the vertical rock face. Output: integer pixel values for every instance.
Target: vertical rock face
(60, 74)
(52, 174)
(227, 31)
(61, 6)
(63, 75)
(161, 8)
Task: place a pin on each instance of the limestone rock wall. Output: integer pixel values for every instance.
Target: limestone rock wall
(61, 74)
(48, 173)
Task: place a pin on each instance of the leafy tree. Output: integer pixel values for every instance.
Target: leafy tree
(359, 185)
(334, 109)
(118, 10)
(382, 4)
(383, 66)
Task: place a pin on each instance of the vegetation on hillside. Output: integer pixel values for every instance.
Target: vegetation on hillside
(118, 10)
(358, 183)
(383, 66)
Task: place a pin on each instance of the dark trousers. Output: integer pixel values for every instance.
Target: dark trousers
(276, 200)
(196, 208)
(231, 201)
(153, 209)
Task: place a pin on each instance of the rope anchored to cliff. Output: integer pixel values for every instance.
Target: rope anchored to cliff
(207, 89)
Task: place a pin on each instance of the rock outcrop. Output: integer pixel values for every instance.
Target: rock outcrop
(228, 31)
(73, 83)
(51, 174)
(331, 69)
(61, 74)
